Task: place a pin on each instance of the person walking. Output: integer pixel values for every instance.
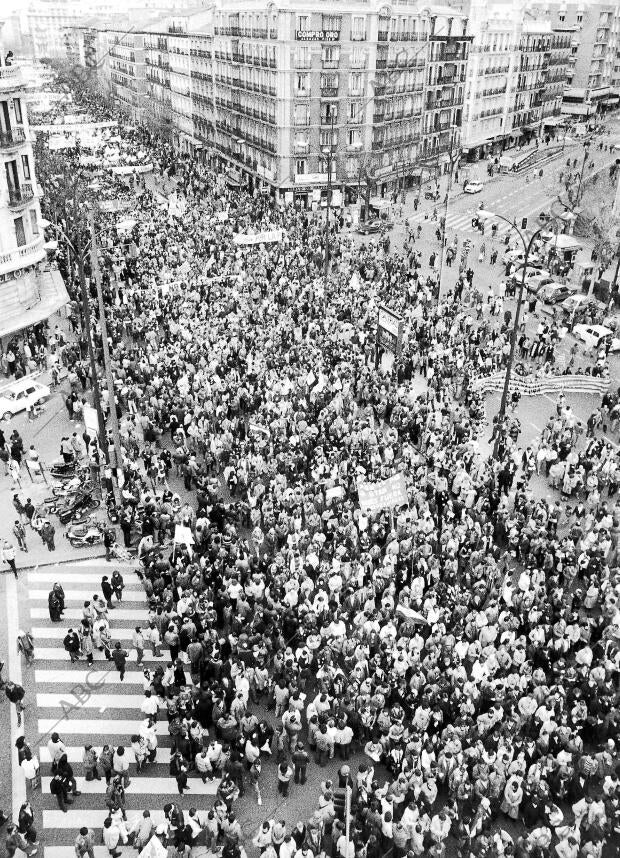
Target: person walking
(19, 532)
(85, 843)
(60, 789)
(285, 773)
(15, 694)
(31, 769)
(71, 643)
(138, 642)
(118, 585)
(7, 554)
(300, 759)
(119, 657)
(108, 542)
(108, 591)
(25, 645)
(48, 532)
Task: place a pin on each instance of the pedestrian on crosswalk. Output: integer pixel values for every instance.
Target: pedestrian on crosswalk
(111, 837)
(55, 749)
(115, 796)
(71, 643)
(150, 705)
(140, 749)
(120, 766)
(85, 843)
(15, 840)
(138, 642)
(86, 644)
(25, 645)
(119, 657)
(105, 762)
(89, 761)
(108, 591)
(60, 788)
(65, 769)
(153, 637)
(118, 585)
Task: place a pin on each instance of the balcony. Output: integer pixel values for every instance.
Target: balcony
(329, 91)
(10, 77)
(12, 138)
(27, 254)
(20, 196)
(382, 36)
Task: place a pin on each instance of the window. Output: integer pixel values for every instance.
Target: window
(354, 138)
(329, 113)
(34, 223)
(301, 139)
(17, 106)
(328, 138)
(301, 114)
(358, 58)
(332, 22)
(302, 57)
(26, 166)
(303, 22)
(355, 111)
(301, 84)
(562, 17)
(358, 28)
(331, 56)
(579, 19)
(20, 234)
(329, 81)
(300, 166)
(355, 83)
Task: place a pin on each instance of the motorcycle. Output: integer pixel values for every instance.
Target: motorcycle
(89, 533)
(431, 194)
(82, 501)
(61, 470)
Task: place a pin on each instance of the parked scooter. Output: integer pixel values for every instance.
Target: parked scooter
(90, 532)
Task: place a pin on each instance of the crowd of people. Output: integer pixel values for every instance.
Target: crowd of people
(451, 664)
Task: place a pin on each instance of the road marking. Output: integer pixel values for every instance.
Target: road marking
(76, 755)
(77, 614)
(97, 727)
(43, 654)
(143, 786)
(18, 782)
(92, 678)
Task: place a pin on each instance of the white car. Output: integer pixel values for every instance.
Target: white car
(595, 336)
(473, 188)
(20, 394)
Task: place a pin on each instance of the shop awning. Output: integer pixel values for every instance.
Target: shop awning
(611, 99)
(516, 132)
(46, 295)
(552, 121)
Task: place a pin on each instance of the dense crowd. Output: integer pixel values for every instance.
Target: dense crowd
(457, 655)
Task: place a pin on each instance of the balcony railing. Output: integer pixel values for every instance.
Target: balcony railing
(11, 138)
(20, 196)
(27, 254)
(10, 76)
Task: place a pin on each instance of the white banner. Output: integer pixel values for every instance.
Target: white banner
(266, 237)
(134, 168)
(384, 495)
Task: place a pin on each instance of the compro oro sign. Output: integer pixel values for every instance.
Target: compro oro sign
(389, 330)
(384, 495)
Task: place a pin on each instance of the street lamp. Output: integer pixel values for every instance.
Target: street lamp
(528, 244)
(586, 148)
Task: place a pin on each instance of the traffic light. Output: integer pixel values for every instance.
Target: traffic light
(523, 223)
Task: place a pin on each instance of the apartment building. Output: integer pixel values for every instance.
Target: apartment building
(28, 292)
(558, 66)
(492, 78)
(202, 90)
(594, 30)
(534, 53)
(123, 70)
(362, 90)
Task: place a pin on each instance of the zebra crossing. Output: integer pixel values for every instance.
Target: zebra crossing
(90, 705)
(462, 222)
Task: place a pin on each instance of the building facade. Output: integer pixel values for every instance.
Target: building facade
(124, 69)
(28, 294)
(594, 30)
(362, 93)
(492, 78)
(559, 64)
(534, 53)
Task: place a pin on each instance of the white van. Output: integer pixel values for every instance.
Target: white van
(18, 395)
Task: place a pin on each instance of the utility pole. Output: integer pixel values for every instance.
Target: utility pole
(329, 194)
(116, 437)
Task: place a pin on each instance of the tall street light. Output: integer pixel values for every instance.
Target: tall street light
(528, 244)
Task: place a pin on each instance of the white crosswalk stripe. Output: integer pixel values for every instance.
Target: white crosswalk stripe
(76, 754)
(91, 705)
(144, 786)
(129, 614)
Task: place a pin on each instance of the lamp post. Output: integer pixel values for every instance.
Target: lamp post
(586, 149)
(528, 244)
(328, 152)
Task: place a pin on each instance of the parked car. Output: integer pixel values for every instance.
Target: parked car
(533, 277)
(577, 305)
(473, 188)
(370, 226)
(595, 336)
(536, 282)
(554, 293)
(18, 395)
